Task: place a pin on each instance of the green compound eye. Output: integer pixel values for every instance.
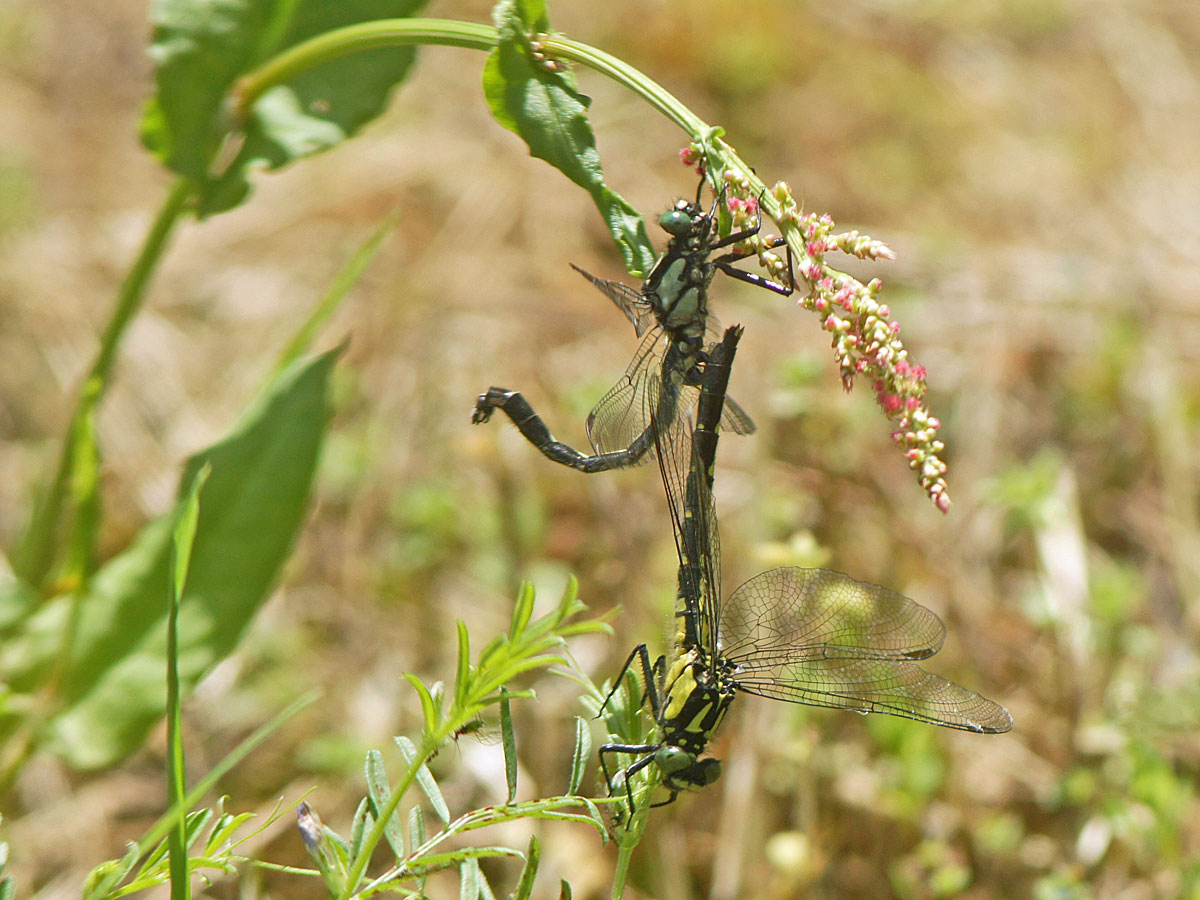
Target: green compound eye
(673, 759)
(675, 222)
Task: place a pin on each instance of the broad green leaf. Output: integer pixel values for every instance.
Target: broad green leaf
(545, 108)
(111, 692)
(202, 47)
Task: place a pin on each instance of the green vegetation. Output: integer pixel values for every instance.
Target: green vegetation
(245, 487)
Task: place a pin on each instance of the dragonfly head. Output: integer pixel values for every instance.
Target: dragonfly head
(677, 222)
(682, 771)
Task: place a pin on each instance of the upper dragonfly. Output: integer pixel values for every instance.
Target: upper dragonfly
(810, 636)
(670, 313)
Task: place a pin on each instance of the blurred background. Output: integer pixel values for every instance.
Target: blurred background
(1036, 168)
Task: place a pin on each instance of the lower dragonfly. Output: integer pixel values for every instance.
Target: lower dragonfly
(671, 311)
(810, 636)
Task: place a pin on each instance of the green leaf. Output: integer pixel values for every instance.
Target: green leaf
(468, 880)
(203, 46)
(346, 279)
(544, 107)
(182, 539)
(564, 892)
(379, 789)
(416, 837)
(359, 826)
(522, 611)
(106, 876)
(533, 856)
(17, 601)
(428, 708)
(416, 827)
(224, 831)
(425, 780)
(510, 745)
(583, 752)
(485, 889)
(111, 692)
(463, 667)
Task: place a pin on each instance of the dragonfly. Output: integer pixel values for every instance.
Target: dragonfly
(670, 314)
(808, 636)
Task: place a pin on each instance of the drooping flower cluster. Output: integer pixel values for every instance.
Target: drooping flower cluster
(865, 340)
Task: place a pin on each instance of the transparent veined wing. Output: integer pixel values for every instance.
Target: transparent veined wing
(623, 414)
(630, 301)
(822, 638)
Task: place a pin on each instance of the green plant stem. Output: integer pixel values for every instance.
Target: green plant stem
(37, 554)
(451, 33)
(341, 42)
(473, 36)
(359, 867)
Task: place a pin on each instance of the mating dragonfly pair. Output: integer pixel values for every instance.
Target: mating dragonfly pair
(808, 636)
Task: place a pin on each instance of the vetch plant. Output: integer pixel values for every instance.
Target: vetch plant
(529, 645)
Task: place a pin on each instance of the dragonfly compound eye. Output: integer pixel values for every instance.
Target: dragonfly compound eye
(676, 222)
(681, 771)
(673, 760)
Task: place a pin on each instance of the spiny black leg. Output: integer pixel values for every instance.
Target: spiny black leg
(724, 263)
(648, 674)
(630, 770)
(735, 238)
(667, 802)
(517, 408)
(756, 280)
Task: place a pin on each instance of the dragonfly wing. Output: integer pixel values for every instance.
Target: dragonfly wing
(802, 613)
(821, 638)
(874, 686)
(694, 520)
(624, 413)
(631, 302)
(736, 419)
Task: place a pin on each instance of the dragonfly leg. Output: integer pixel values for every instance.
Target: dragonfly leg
(629, 771)
(649, 676)
(725, 264)
(757, 280)
(528, 422)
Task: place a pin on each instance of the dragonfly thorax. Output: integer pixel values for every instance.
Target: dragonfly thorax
(696, 701)
(675, 288)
